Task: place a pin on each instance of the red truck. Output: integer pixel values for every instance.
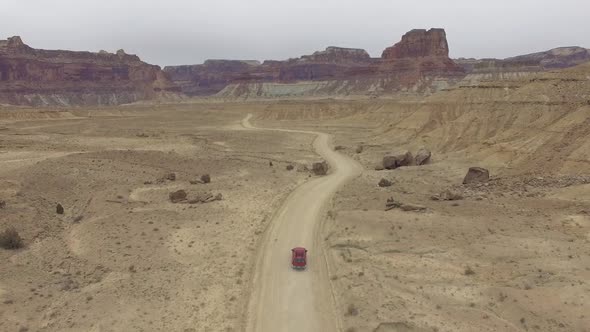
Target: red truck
(299, 258)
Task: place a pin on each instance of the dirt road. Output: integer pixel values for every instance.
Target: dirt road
(283, 299)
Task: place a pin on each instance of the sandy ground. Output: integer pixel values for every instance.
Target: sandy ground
(123, 257)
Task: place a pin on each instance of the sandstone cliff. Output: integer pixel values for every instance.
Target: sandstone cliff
(419, 63)
(41, 77)
(522, 66)
(419, 43)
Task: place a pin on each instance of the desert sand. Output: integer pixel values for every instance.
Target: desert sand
(510, 254)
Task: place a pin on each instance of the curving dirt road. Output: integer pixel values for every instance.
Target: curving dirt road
(283, 299)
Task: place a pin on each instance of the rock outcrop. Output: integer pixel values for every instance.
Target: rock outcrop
(418, 64)
(423, 157)
(35, 77)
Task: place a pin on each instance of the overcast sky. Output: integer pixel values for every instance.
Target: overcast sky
(188, 32)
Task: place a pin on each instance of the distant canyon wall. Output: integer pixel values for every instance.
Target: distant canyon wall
(40, 77)
(419, 63)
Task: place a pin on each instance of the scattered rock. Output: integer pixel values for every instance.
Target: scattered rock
(423, 157)
(142, 135)
(206, 198)
(2, 204)
(270, 163)
(302, 168)
(385, 183)
(78, 219)
(379, 167)
(359, 149)
(339, 148)
(413, 207)
(59, 209)
(147, 182)
(393, 204)
(476, 175)
(205, 178)
(170, 176)
(290, 167)
(447, 195)
(320, 168)
(177, 196)
(400, 160)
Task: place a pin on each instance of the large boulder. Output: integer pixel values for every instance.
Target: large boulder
(320, 168)
(399, 160)
(423, 157)
(476, 175)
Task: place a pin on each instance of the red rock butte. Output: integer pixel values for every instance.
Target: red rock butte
(419, 43)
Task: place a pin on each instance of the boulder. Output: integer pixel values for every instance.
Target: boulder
(423, 157)
(205, 178)
(476, 175)
(399, 160)
(320, 168)
(177, 196)
(59, 209)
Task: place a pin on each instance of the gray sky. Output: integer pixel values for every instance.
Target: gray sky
(188, 32)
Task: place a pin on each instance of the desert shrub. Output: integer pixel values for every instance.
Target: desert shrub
(10, 239)
(290, 167)
(469, 271)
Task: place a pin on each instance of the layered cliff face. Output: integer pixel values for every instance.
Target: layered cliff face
(419, 63)
(40, 77)
(523, 65)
